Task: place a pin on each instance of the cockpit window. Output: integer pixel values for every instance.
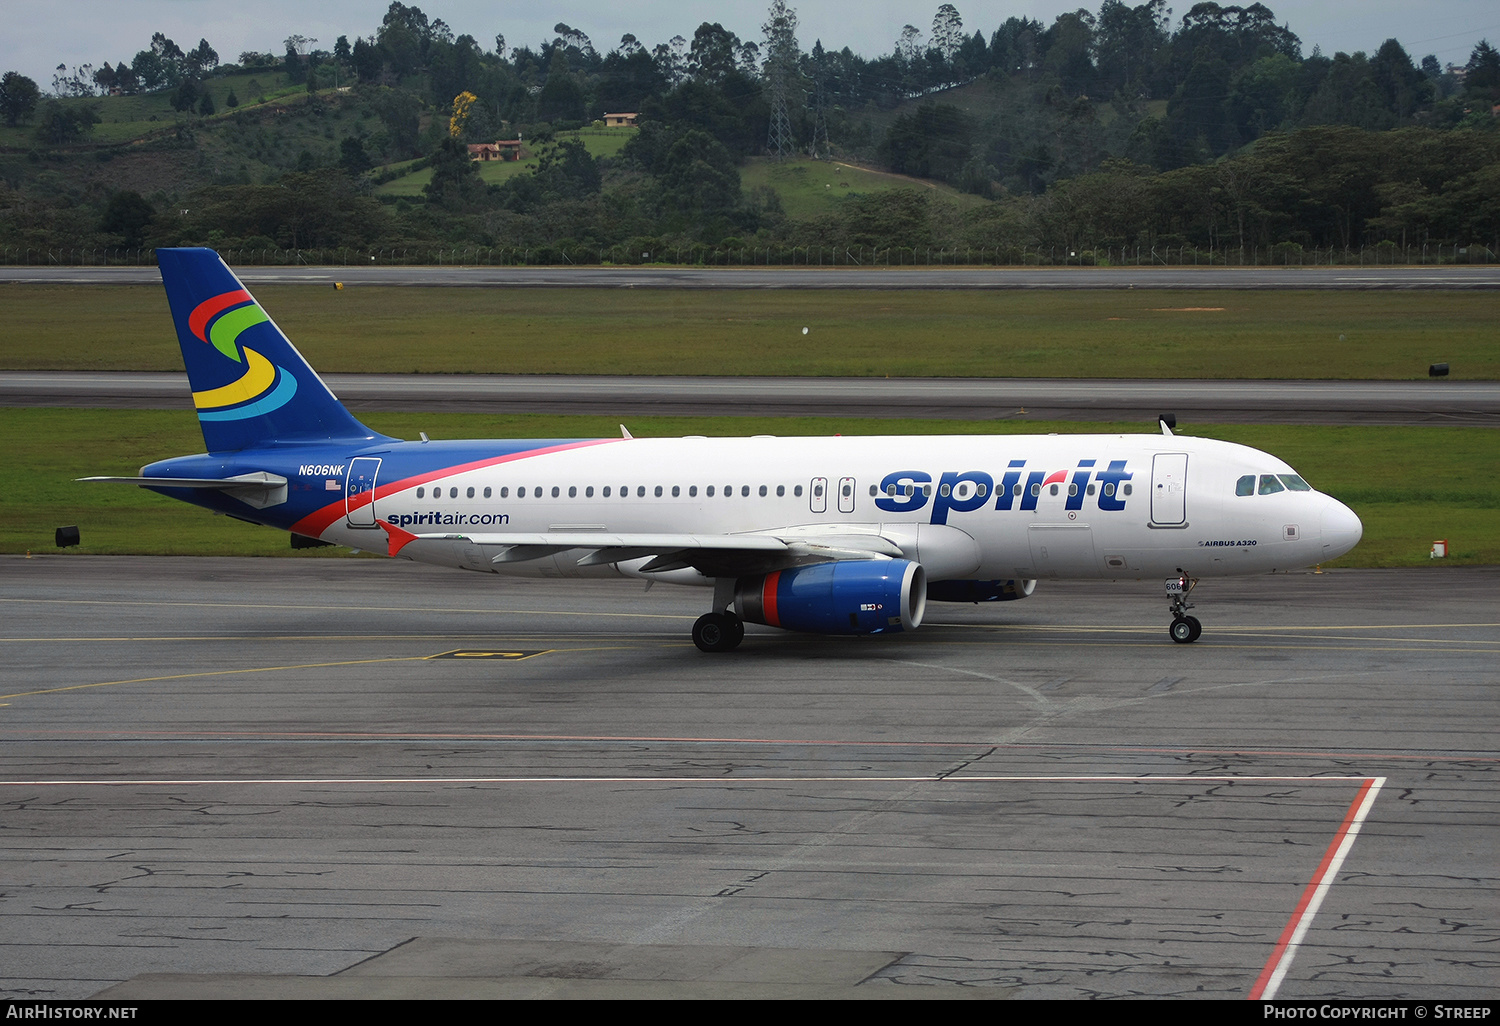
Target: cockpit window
(1245, 485)
(1295, 483)
(1269, 485)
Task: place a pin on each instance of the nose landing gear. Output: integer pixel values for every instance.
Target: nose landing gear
(1184, 629)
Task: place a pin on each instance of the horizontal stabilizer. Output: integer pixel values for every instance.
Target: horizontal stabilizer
(258, 489)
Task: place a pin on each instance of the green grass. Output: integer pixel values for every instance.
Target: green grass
(127, 118)
(1108, 334)
(809, 187)
(598, 142)
(1409, 485)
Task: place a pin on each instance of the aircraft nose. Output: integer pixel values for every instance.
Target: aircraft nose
(1341, 529)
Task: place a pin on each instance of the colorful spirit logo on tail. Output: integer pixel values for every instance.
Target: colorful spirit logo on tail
(264, 387)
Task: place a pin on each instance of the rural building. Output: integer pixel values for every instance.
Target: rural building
(503, 149)
(620, 120)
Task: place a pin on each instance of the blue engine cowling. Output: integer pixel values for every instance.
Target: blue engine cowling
(848, 597)
(979, 591)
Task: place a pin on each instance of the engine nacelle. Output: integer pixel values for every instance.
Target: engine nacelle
(979, 591)
(877, 596)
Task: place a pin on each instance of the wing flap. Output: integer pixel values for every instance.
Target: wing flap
(714, 555)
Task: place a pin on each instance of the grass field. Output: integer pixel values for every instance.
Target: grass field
(1409, 485)
(1109, 334)
(809, 187)
(124, 118)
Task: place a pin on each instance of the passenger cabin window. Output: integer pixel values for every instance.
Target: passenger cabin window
(421, 493)
(1269, 485)
(1245, 485)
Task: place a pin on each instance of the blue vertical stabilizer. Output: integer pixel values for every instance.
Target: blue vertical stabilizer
(251, 387)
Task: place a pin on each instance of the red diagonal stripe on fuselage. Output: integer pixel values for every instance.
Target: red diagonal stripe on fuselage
(205, 311)
(315, 523)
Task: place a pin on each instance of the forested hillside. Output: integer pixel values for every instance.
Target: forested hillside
(1104, 136)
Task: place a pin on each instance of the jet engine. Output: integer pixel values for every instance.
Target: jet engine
(882, 596)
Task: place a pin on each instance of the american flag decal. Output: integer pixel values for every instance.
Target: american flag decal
(332, 485)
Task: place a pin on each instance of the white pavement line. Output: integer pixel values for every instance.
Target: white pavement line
(1317, 889)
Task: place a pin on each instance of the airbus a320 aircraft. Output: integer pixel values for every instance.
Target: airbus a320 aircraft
(829, 535)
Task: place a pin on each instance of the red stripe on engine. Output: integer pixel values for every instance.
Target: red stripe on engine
(768, 598)
(204, 311)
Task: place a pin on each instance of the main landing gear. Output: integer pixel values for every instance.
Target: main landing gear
(1184, 629)
(720, 630)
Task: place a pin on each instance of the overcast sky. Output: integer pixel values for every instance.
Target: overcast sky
(40, 34)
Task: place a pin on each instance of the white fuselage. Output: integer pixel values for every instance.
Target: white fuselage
(966, 507)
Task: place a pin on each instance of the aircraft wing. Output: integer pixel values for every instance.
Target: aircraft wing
(714, 555)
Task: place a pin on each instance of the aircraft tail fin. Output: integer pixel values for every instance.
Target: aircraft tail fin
(250, 385)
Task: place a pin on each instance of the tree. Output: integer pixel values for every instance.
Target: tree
(714, 53)
(934, 142)
(206, 106)
(455, 180)
(127, 215)
(1482, 78)
(367, 60)
(461, 105)
(352, 155)
(947, 32)
(202, 60)
(186, 95)
(561, 98)
(18, 98)
(1401, 85)
(61, 124)
(295, 64)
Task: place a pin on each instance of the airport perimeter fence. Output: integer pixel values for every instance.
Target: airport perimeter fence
(1384, 254)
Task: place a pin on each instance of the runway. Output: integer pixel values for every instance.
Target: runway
(1438, 401)
(1447, 277)
(359, 777)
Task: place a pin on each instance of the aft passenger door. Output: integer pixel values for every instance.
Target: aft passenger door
(359, 491)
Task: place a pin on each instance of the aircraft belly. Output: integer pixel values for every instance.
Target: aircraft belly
(1062, 550)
